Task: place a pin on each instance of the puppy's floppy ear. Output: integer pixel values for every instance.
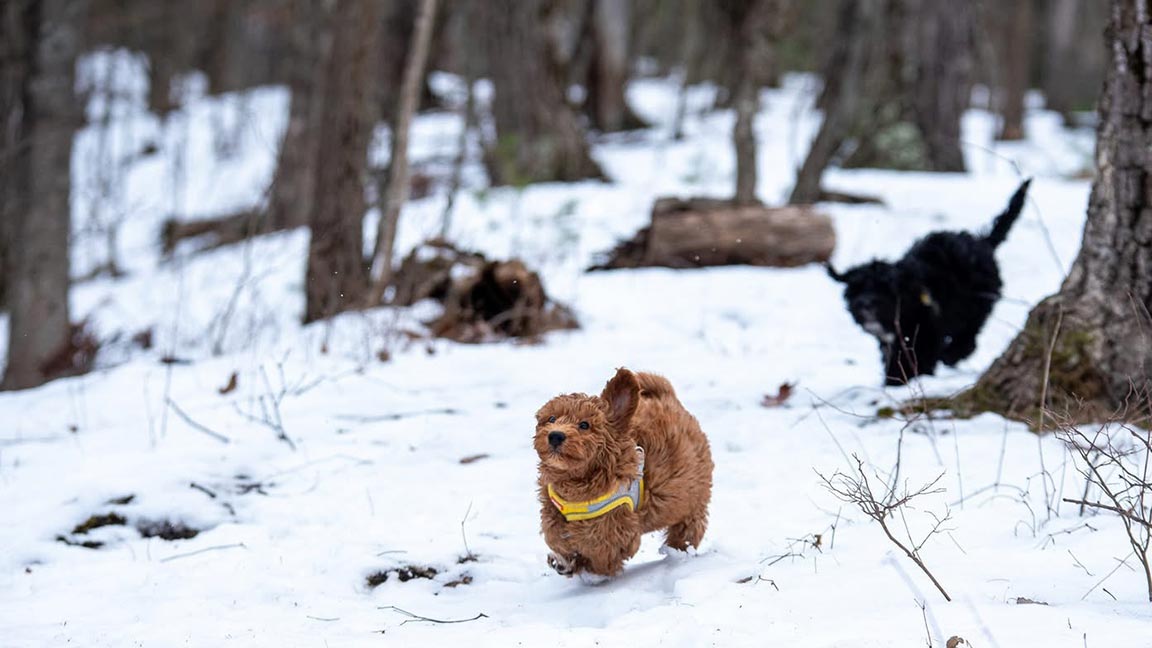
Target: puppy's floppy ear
(622, 394)
(836, 276)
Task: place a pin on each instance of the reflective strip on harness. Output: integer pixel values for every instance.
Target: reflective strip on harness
(630, 494)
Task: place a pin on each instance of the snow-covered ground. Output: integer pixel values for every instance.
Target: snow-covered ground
(377, 480)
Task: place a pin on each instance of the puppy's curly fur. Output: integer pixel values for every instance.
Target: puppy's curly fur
(635, 409)
(929, 306)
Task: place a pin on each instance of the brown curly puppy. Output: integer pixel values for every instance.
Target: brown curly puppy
(618, 465)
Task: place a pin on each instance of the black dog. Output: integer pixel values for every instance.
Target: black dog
(929, 306)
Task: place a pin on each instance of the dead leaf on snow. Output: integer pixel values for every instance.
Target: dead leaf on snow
(231, 386)
(783, 393)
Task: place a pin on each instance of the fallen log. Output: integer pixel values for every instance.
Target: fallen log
(701, 232)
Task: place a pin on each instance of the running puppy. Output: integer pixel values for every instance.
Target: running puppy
(616, 466)
(929, 306)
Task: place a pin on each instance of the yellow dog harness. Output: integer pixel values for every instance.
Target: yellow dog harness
(630, 494)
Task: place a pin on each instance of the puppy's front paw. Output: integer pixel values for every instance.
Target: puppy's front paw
(562, 565)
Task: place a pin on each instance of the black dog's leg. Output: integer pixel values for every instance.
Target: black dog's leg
(911, 356)
(927, 354)
(962, 345)
(963, 341)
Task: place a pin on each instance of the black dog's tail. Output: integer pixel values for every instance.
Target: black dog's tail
(1004, 221)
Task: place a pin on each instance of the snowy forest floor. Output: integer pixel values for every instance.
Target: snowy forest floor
(421, 470)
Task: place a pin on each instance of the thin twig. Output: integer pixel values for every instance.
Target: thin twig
(1080, 564)
(1044, 407)
(468, 555)
(202, 489)
(416, 617)
(187, 419)
(238, 545)
(1115, 569)
(924, 613)
(356, 418)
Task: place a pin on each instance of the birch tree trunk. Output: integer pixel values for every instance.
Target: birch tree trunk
(397, 192)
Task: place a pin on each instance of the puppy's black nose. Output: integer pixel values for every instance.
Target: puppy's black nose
(555, 439)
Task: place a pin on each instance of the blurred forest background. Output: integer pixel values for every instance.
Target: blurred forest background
(897, 76)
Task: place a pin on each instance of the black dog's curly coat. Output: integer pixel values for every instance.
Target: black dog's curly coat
(929, 306)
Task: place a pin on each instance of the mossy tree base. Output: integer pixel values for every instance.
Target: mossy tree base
(1052, 374)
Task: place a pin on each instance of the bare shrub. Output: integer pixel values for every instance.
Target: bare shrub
(1116, 462)
(888, 504)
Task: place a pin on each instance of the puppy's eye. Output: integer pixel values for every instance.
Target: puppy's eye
(551, 419)
(584, 425)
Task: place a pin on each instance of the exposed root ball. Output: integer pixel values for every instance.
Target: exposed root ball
(483, 300)
(505, 299)
(427, 272)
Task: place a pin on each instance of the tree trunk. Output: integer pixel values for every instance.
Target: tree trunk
(895, 88)
(397, 193)
(1073, 63)
(688, 55)
(608, 74)
(3, 252)
(14, 67)
(744, 18)
(538, 134)
(39, 327)
(854, 67)
(292, 195)
(1085, 352)
(1015, 23)
(940, 83)
(336, 277)
(747, 102)
(753, 26)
